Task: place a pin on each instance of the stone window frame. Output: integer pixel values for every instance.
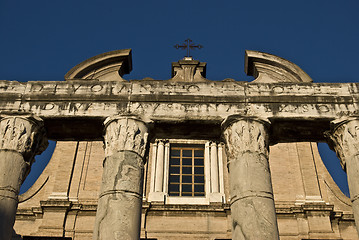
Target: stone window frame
(213, 170)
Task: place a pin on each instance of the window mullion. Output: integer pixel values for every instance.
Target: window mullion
(180, 183)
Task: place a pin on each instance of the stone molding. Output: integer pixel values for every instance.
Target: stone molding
(125, 133)
(23, 134)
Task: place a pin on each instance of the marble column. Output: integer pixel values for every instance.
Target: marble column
(344, 139)
(252, 203)
(119, 208)
(21, 138)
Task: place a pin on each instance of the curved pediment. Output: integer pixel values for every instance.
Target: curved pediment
(268, 68)
(109, 66)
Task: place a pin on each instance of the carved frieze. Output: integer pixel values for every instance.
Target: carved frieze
(23, 134)
(125, 134)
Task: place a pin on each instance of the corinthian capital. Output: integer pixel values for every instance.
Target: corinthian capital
(344, 139)
(24, 134)
(125, 134)
(245, 135)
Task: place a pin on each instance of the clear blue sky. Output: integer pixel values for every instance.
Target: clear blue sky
(42, 39)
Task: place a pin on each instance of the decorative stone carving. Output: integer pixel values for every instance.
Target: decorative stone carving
(21, 138)
(23, 134)
(344, 139)
(252, 203)
(246, 132)
(125, 133)
(119, 208)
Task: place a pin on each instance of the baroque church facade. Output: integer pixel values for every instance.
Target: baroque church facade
(184, 158)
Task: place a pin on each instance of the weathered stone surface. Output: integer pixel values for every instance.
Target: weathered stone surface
(270, 68)
(345, 142)
(187, 107)
(120, 204)
(23, 134)
(125, 134)
(311, 105)
(21, 138)
(189, 70)
(252, 203)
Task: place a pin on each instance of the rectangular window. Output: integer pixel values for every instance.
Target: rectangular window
(186, 170)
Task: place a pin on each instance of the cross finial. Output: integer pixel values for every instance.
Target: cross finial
(188, 45)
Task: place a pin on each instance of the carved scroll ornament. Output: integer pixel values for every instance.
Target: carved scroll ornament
(125, 134)
(344, 140)
(24, 134)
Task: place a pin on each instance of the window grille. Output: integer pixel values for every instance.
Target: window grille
(186, 170)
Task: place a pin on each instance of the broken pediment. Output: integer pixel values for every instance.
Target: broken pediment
(109, 66)
(268, 68)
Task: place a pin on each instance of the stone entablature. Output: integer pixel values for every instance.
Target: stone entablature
(280, 105)
(311, 105)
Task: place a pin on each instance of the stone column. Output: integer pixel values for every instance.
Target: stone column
(120, 203)
(252, 203)
(21, 138)
(344, 139)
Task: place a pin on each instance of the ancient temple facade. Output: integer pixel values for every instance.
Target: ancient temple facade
(184, 158)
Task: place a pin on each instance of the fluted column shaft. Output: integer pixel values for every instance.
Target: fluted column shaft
(119, 208)
(344, 139)
(252, 203)
(21, 138)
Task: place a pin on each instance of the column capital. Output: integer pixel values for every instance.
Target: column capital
(24, 134)
(245, 134)
(125, 133)
(343, 138)
(228, 121)
(340, 121)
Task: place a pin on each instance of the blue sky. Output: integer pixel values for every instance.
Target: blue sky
(42, 39)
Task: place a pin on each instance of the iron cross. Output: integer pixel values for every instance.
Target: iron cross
(188, 45)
